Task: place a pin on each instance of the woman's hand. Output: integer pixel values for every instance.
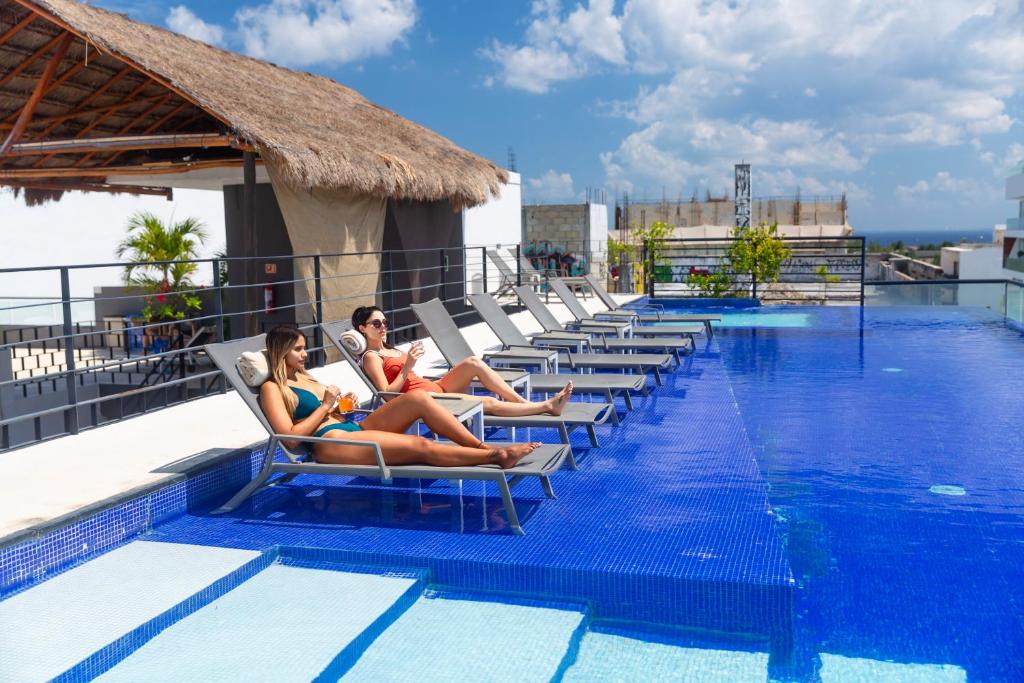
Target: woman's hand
(415, 353)
(330, 398)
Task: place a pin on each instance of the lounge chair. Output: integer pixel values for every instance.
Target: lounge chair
(608, 384)
(640, 362)
(509, 278)
(445, 333)
(551, 324)
(657, 316)
(516, 378)
(584, 318)
(546, 460)
(529, 270)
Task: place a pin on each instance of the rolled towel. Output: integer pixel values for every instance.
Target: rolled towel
(253, 367)
(354, 342)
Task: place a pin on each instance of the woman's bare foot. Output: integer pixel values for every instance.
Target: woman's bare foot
(557, 403)
(510, 455)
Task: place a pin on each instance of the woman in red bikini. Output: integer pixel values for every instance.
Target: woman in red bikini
(392, 370)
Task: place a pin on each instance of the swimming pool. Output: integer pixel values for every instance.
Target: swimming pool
(864, 426)
(884, 515)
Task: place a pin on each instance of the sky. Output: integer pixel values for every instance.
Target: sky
(913, 108)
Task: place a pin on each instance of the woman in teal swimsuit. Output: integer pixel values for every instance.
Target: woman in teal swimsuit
(295, 403)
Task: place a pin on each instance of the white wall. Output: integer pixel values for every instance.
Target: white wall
(499, 221)
(981, 264)
(85, 227)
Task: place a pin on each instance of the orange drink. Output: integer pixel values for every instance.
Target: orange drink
(345, 404)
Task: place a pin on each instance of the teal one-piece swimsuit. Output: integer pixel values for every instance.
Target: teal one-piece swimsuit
(308, 402)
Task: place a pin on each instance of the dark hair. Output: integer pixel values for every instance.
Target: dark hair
(361, 316)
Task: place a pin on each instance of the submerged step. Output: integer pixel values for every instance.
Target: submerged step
(607, 657)
(54, 625)
(835, 668)
(284, 624)
(440, 638)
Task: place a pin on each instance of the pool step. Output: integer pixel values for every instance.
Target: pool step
(285, 623)
(467, 637)
(836, 668)
(52, 626)
(604, 656)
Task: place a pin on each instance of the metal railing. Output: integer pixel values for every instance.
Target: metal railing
(818, 270)
(86, 374)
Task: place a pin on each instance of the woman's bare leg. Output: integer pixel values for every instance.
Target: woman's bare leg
(398, 414)
(406, 449)
(465, 371)
(553, 406)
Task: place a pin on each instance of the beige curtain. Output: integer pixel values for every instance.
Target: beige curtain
(323, 221)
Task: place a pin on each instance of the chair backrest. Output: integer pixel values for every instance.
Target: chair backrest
(496, 318)
(601, 292)
(525, 263)
(333, 332)
(541, 312)
(443, 330)
(503, 267)
(224, 355)
(569, 299)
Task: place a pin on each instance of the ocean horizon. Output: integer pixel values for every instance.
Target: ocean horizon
(886, 237)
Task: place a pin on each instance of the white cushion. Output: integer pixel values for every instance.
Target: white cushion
(254, 367)
(355, 342)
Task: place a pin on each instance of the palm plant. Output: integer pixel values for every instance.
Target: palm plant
(167, 283)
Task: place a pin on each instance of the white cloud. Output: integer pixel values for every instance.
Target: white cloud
(960, 190)
(305, 32)
(721, 61)
(182, 20)
(551, 186)
(560, 49)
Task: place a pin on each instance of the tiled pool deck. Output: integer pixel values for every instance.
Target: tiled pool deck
(667, 522)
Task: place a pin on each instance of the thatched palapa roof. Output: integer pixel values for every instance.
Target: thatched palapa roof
(154, 101)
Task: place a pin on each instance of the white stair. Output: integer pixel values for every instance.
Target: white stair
(605, 657)
(469, 640)
(50, 627)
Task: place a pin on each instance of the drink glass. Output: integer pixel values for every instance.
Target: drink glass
(345, 404)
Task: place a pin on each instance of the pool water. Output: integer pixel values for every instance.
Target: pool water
(893, 446)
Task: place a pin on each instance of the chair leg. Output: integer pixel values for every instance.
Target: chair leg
(657, 377)
(510, 507)
(548, 491)
(592, 433)
(254, 485)
(628, 399)
(610, 397)
(564, 433)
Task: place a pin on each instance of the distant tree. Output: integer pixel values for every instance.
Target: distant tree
(875, 248)
(758, 252)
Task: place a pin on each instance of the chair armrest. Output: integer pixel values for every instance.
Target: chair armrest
(373, 445)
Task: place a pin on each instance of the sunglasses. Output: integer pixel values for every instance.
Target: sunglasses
(378, 324)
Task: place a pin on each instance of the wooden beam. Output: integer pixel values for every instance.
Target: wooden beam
(156, 168)
(149, 129)
(52, 18)
(122, 143)
(28, 61)
(96, 93)
(37, 94)
(103, 117)
(92, 187)
(8, 34)
(46, 120)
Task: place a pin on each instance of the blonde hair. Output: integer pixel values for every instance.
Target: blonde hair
(280, 341)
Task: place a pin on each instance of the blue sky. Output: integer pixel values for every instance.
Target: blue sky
(912, 107)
